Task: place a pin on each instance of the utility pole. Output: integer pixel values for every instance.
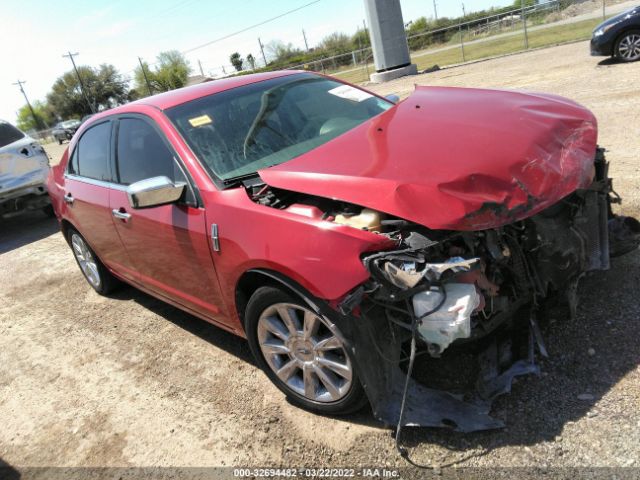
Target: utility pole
(524, 26)
(146, 79)
(82, 89)
(262, 50)
(200, 65)
(464, 14)
(306, 45)
(33, 114)
(604, 5)
(435, 10)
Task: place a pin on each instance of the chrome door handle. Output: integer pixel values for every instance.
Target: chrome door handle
(68, 198)
(121, 215)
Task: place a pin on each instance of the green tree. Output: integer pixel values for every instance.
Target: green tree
(171, 71)
(104, 87)
(251, 61)
(236, 61)
(140, 88)
(43, 113)
(280, 52)
(336, 43)
(360, 39)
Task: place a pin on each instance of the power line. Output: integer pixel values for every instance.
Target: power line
(250, 27)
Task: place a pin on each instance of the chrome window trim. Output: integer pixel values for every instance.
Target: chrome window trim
(97, 183)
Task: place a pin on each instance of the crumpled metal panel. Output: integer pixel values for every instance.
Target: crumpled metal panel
(21, 166)
(454, 158)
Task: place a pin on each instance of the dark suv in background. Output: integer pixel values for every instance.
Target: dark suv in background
(65, 130)
(618, 36)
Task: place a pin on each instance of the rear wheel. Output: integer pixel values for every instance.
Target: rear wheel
(92, 268)
(627, 47)
(302, 353)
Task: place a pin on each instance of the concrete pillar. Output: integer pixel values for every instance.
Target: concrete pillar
(388, 40)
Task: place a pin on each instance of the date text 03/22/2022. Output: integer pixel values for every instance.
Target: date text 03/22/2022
(316, 472)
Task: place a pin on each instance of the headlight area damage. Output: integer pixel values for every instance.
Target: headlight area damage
(452, 294)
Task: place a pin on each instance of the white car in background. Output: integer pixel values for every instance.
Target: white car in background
(24, 167)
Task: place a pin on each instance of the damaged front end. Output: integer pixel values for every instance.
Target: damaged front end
(479, 292)
(467, 293)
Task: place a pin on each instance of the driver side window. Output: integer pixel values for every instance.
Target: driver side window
(142, 154)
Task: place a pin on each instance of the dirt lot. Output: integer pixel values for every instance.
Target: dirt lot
(130, 381)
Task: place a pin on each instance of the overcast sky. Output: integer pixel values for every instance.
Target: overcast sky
(35, 33)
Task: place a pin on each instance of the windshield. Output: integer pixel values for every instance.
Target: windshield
(69, 123)
(9, 134)
(242, 130)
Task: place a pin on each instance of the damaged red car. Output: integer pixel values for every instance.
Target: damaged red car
(343, 234)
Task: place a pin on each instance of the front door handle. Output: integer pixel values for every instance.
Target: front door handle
(68, 198)
(120, 214)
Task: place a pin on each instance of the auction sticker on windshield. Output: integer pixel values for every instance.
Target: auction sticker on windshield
(350, 93)
(200, 121)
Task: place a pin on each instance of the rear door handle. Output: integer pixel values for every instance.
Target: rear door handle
(120, 214)
(68, 198)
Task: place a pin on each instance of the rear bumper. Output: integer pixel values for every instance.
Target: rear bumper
(28, 198)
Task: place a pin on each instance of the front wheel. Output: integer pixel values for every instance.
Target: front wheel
(627, 47)
(302, 353)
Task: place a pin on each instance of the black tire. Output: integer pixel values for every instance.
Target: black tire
(353, 400)
(629, 37)
(59, 141)
(107, 282)
(48, 211)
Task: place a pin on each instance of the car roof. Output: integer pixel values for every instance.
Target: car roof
(182, 95)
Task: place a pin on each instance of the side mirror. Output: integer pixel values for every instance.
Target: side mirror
(393, 98)
(153, 192)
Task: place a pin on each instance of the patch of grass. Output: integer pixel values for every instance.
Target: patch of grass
(490, 48)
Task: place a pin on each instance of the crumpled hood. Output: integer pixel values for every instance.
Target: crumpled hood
(454, 158)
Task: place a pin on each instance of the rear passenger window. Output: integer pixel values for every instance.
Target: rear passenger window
(93, 153)
(143, 154)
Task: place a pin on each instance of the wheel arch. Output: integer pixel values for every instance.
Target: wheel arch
(253, 279)
(65, 226)
(620, 34)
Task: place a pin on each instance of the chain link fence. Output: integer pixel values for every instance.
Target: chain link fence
(546, 23)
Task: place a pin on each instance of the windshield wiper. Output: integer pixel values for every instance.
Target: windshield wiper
(239, 179)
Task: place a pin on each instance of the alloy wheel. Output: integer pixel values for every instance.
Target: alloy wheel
(629, 47)
(85, 259)
(304, 353)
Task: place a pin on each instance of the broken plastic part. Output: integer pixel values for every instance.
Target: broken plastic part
(407, 276)
(452, 320)
(369, 220)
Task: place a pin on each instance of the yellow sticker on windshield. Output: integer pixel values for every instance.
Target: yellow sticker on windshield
(200, 121)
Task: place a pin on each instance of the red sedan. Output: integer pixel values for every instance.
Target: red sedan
(337, 230)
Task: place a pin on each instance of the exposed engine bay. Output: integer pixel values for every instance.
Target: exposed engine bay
(438, 292)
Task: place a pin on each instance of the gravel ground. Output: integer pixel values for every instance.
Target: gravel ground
(130, 381)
